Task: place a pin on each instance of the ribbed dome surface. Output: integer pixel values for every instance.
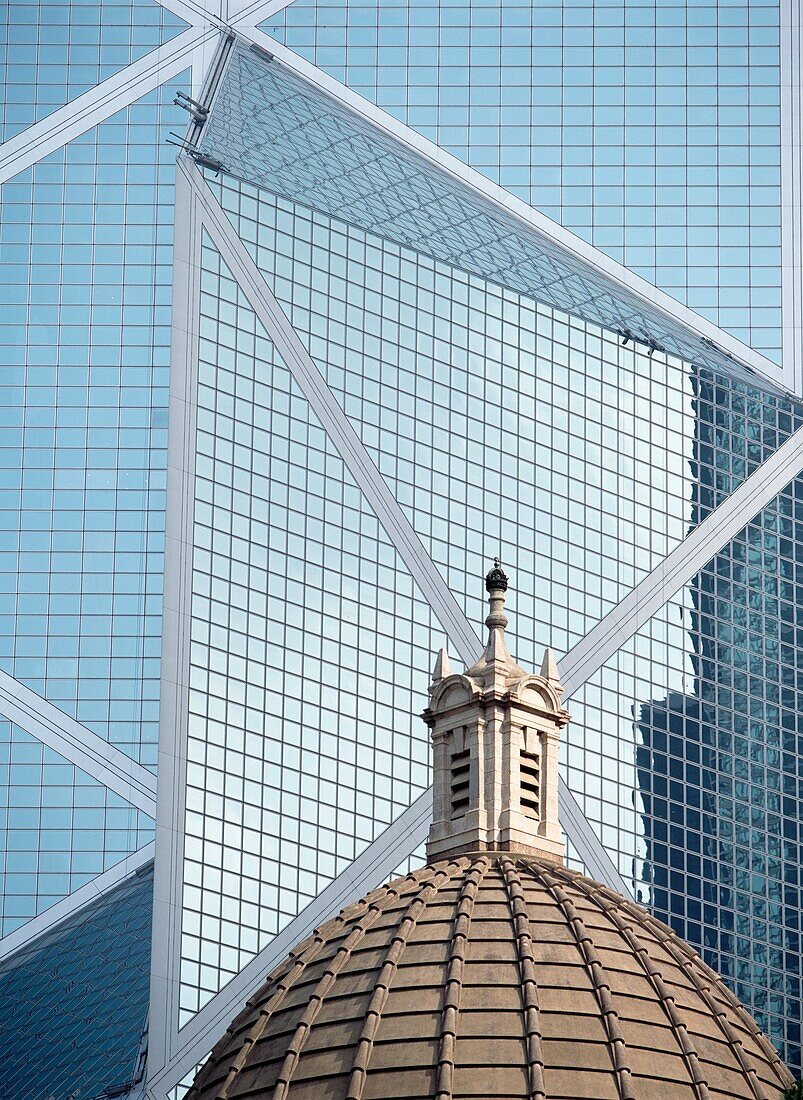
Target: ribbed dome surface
(499, 977)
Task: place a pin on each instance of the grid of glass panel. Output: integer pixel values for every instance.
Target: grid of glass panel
(274, 129)
(59, 827)
(52, 51)
(651, 130)
(73, 1006)
(309, 641)
(685, 752)
(505, 426)
(85, 264)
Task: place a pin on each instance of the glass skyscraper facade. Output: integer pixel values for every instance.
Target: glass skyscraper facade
(428, 283)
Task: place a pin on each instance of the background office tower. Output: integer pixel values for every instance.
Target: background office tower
(387, 366)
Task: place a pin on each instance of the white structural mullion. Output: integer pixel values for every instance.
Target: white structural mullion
(176, 625)
(50, 725)
(108, 97)
(27, 934)
(792, 190)
(369, 869)
(635, 289)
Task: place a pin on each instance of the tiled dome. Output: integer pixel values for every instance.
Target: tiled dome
(497, 976)
(494, 972)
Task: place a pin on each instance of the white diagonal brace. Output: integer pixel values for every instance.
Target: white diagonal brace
(339, 429)
(384, 853)
(50, 725)
(108, 97)
(679, 566)
(79, 899)
(372, 867)
(246, 15)
(198, 13)
(411, 826)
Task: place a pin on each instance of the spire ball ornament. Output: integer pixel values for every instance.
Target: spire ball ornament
(496, 579)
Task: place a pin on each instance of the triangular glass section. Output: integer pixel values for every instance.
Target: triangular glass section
(83, 991)
(50, 52)
(276, 130)
(85, 329)
(684, 751)
(311, 645)
(506, 426)
(629, 127)
(61, 828)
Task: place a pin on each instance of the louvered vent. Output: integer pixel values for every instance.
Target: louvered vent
(461, 768)
(530, 784)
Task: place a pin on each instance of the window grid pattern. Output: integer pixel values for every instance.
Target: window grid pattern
(85, 260)
(60, 827)
(83, 992)
(309, 640)
(684, 752)
(466, 393)
(651, 130)
(51, 52)
(275, 130)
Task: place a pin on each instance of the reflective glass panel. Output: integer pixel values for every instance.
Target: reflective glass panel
(505, 426)
(270, 127)
(59, 827)
(309, 642)
(51, 52)
(684, 750)
(73, 1005)
(652, 131)
(85, 265)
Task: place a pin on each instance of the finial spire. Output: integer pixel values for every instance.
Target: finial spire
(443, 667)
(496, 585)
(496, 664)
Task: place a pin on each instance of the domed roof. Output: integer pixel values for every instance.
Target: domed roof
(493, 976)
(494, 972)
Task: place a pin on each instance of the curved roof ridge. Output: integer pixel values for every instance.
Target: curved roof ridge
(324, 986)
(453, 983)
(681, 1032)
(529, 984)
(602, 989)
(304, 955)
(761, 1040)
(373, 1014)
(687, 960)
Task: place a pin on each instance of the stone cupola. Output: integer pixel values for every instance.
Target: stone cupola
(495, 733)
